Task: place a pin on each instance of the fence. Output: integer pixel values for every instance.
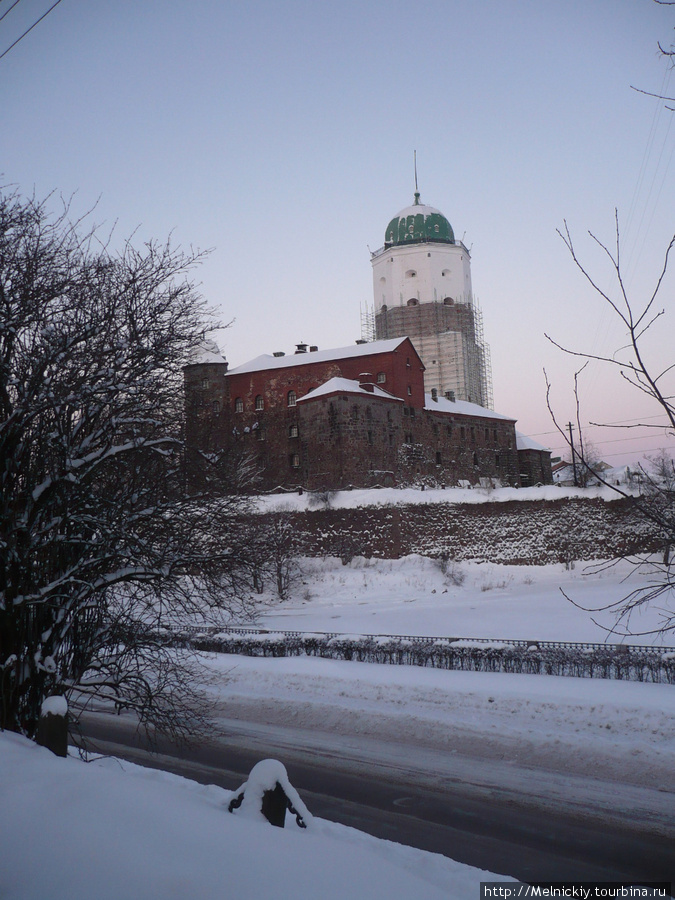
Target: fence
(626, 662)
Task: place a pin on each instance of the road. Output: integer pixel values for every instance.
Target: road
(454, 812)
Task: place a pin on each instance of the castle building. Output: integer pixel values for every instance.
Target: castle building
(349, 417)
(411, 406)
(422, 289)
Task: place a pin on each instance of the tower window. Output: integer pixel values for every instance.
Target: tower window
(412, 301)
(292, 398)
(448, 301)
(411, 273)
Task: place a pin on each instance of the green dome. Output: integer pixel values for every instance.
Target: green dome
(418, 224)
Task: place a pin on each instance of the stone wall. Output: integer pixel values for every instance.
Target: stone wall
(514, 532)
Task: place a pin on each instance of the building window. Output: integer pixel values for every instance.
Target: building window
(294, 460)
(215, 406)
(261, 434)
(411, 273)
(412, 301)
(293, 431)
(494, 435)
(412, 412)
(409, 391)
(497, 460)
(475, 460)
(238, 405)
(473, 435)
(388, 415)
(292, 398)
(462, 433)
(448, 428)
(406, 411)
(355, 413)
(205, 383)
(435, 428)
(370, 437)
(259, 402)
(487, 435)
(381, 377)
(438, 458)
(369, 414)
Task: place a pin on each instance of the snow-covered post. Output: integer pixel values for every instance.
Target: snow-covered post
(53, 725)
(268, 793)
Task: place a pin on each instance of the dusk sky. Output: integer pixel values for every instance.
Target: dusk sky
(281, 134)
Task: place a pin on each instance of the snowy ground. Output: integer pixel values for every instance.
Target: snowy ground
(413, 596)
(109, 829)
(294, 502)
(599, 748)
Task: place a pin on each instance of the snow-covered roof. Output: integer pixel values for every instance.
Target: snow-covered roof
(462, 408)
(261, 363)
(523, 442)
(206, 352)
(346, 386)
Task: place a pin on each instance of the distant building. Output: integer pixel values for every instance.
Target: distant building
(354, 416)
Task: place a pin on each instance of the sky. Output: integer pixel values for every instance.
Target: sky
(280, 136)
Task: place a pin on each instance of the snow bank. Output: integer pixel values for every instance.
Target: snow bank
(109, 829)
(395, 496)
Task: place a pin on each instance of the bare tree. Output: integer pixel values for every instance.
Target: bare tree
(669, 53)
(656, 503)
(102, 547)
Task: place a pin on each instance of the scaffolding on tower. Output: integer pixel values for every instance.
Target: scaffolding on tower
(367, 322)
(484, 361)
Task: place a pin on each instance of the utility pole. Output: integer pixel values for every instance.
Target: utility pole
(574, 455)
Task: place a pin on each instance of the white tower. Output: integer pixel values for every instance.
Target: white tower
(422, 290)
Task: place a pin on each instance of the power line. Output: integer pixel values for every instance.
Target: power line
(610, 425)
(43, 16)
(9, 10)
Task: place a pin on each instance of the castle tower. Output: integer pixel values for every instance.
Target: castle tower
(422, 290)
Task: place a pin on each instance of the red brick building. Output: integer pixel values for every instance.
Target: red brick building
(354, 416)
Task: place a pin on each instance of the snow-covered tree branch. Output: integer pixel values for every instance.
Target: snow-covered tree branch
(102, 543)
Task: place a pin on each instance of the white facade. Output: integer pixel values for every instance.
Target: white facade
(428, 273)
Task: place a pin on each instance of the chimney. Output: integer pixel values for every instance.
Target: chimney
(279, 353)
(301, 348)
(313, 348)
(450, 395)
(361, 341)
(434, 395)
(366, 382)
